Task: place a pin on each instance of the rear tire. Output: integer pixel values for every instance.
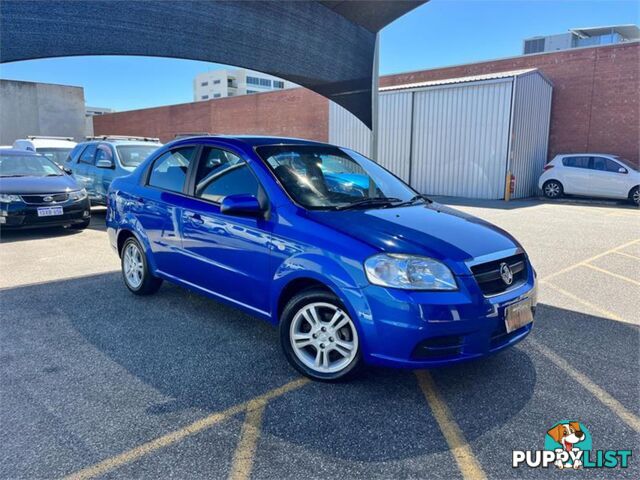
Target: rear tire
(318, 337)
(135, 269)
(552, 189)
(634, 196)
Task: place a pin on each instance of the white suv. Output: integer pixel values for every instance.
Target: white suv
(591, 175)
(54, 148)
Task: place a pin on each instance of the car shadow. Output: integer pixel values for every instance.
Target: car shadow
(520, 203)
(200, 354)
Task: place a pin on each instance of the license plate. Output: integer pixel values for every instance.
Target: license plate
(49, 211)
(518, 315)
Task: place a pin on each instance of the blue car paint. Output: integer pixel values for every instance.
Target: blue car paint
(248, 262)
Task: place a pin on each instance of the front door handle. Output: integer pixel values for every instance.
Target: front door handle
(194, 218)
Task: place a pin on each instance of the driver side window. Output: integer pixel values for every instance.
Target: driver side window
(222, 173)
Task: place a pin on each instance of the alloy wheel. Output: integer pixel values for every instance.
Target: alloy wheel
(133, 265)
(323, 337)
(636, 196)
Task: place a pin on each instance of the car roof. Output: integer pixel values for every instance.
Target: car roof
(587, 154)
(19, 152)
(46, 142)
(249, 140)
(121, 142)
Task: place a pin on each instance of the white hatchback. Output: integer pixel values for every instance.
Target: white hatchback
(54, 148)
(590, 175)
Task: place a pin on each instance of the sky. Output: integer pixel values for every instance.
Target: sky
(437, 34)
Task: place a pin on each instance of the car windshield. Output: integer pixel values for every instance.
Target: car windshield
(326, 177)
(628, 163)
(134, 155)
(27, 165)
(58, 155)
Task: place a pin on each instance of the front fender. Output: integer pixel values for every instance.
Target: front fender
(344, 279)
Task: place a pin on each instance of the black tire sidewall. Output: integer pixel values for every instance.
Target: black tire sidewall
(560, 189)
(633, 192)
(289, 312)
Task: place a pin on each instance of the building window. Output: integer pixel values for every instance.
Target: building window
(204, 84)
(216, 95)
(265, 82)
(205, 97)
(252, 91)
(278, 84)
(535, 45)
(253, 80)
(216, 82)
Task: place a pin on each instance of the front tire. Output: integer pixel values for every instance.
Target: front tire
(552, 189)
(319, 338)
(135, 269)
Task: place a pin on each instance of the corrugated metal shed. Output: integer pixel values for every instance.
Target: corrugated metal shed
(459, 136)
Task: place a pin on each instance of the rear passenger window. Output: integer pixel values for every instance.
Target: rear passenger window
(88, 154)
(222, 173)
(170, 170)
(576, 162)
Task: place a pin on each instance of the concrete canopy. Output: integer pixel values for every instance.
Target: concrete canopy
(326, 46)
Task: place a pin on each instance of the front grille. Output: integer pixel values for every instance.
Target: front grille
(50, 198)
(488, 274)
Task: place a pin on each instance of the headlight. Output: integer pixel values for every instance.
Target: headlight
(78, 194)
(409, 272)
(6, 198)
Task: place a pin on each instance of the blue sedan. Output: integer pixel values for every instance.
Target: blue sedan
(372, 275)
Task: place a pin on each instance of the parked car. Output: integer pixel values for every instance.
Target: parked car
(36, 192)
(592, 175)
(385, 279)
(54, 148)
(96, 162)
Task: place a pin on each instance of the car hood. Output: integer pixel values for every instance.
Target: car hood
(28, 185)
(432, 230)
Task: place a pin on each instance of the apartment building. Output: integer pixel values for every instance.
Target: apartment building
(233, 83)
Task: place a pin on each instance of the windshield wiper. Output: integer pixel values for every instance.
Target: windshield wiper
(414, 199)
(9, 176)
(369, 202)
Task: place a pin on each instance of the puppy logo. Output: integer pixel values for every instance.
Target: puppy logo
(506, 274)
(568, 437)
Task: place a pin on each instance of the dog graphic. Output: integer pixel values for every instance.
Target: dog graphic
(567, 435)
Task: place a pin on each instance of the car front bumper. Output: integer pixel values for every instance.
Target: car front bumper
(18, 215)
(412, 329)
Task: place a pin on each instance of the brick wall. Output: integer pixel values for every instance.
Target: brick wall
(296, 113)
(596, 92)
(595, 104)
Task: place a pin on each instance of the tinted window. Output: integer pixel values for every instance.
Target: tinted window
(75, 153)
(170, 170)
(605, 164)
(88, 154)
(222, 173)
(576, 162)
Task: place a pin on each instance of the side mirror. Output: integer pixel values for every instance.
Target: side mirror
(67, 170)
(104, 164)
(622, 170)
(241, 205)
